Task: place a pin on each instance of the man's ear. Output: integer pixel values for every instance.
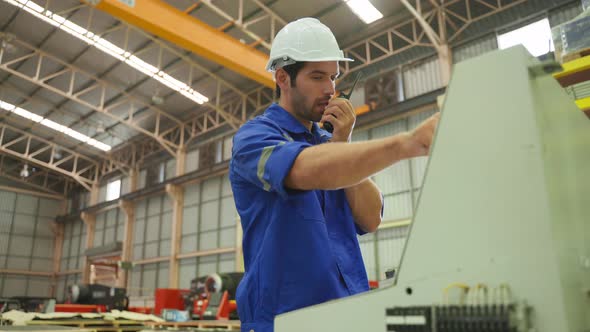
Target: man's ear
(282, 78)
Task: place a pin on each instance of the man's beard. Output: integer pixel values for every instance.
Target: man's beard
(303, 111)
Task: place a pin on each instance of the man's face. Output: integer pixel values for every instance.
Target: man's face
(315, 86)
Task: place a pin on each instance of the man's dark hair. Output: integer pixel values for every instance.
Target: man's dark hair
(292, 70)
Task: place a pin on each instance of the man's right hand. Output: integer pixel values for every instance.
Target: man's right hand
(419, 140)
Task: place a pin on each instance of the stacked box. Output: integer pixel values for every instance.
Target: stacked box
(175, 315)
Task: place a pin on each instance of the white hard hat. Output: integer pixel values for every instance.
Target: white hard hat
(306, 39)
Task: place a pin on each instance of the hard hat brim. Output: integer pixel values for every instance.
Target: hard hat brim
(270, 65)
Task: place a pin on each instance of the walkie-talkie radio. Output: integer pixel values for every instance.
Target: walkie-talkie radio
(327, 125)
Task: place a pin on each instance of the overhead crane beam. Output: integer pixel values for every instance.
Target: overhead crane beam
(169, 23)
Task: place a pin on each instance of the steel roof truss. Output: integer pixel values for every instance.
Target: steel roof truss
(73, 164)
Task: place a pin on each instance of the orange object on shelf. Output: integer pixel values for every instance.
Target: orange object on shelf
(80, 308)
(142, 310)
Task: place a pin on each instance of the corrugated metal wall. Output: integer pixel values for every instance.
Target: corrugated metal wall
(472, 49)
(125, 185)
(102, 193)
(565, 13)
(145, 279)
(209, 223)
(422, 78)
(26, 242)
(152, 234)
(72, 259)
(109, 227)
(400, 185)
(153, 220)
(192, 161)
(74, 245)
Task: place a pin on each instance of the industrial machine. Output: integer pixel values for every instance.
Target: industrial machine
(210, 297)
(213, 296)
(500, 240)
(27, 304)
(95, 294)
(7, 304)
(169, 298)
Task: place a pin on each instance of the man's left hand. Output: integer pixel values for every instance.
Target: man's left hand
(340, 113)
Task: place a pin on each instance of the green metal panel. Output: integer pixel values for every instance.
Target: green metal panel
(7, 200)
(505, 201)
(48, 207)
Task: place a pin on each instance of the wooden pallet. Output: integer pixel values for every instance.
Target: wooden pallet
(42, 328)
(575, 55)
(230, 325)
(96, 325)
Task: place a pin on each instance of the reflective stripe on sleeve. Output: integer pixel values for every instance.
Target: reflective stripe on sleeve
(266, 152)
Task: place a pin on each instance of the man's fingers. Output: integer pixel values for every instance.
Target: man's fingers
(336, 111)
(331, 118)
(345, 105)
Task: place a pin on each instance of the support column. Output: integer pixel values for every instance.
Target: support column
(129, 209)
(58, 244)
(439, 40)
(94, 192)
(445, 54)
(176, 194)
(445, 57)
(89, 220)
(133, 177)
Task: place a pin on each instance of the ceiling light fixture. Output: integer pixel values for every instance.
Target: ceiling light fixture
(6, 44)
(57, 154)
(53, 125)
(24, 173)
(365, 10)
(157, 99)
(100, 128)
(109, 48)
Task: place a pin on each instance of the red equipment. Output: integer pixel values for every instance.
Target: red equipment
(215, 306)
(168, 298)
(142, 310)
(67, 307)
(373, 284)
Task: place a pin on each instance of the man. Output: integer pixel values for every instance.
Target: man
(302, 193)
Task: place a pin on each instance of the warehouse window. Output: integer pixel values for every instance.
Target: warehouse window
(113, 190)
(536, 37)
(162, 172)
(218, 152)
